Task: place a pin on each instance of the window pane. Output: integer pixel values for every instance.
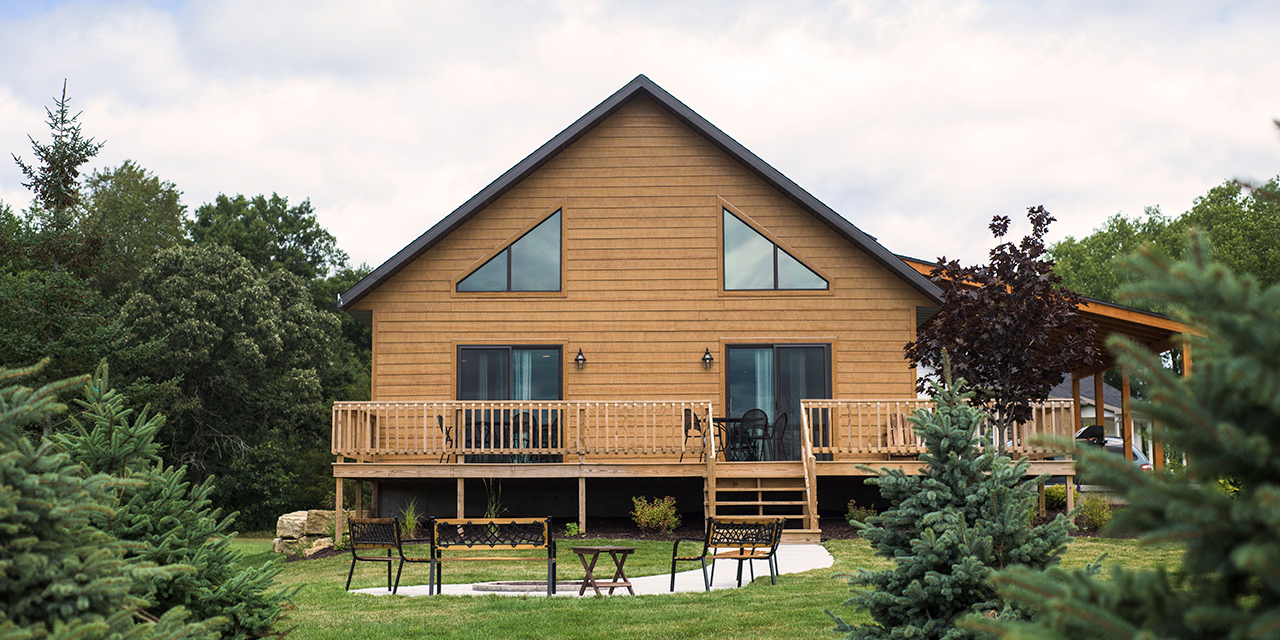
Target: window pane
(490, 277)
(535, 258)
(536, 374)
(750, 380)
(792, 274)
(482, 374)
(748, 256)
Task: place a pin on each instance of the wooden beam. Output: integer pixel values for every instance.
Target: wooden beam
(1069, 482)
(1157, 446)
(373, 499)
(360, 498)
(462, 495)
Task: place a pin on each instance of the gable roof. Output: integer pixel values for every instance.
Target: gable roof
(640, 86)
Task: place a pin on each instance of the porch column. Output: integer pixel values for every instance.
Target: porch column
(1099, 400)
(337, 511)
(1126, 417)
(1075, 399)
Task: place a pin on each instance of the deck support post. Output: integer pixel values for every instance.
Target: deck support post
(582, 504)
(462, 498)
(338, 510)
(373, 499)
(1070, 483)
(1040, 490)
(359, 498)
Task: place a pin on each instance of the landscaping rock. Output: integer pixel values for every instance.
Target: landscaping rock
(318, 523)
(284, 545)
(291, 525)
(319, 545)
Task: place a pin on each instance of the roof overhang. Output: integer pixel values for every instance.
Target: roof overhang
(640, 86)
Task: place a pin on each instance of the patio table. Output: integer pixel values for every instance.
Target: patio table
(619, 555)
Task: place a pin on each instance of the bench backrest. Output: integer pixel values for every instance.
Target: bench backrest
(744, 533)
(374, 533)
(497, 533)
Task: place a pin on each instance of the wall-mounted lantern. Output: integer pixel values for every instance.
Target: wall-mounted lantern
(707, 359)
(580, 360)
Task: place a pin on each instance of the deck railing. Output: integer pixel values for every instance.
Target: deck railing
(849, 428)
(518, 431)
(570, 431)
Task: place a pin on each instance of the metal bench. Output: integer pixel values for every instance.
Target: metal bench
(494, 534)
(743, 539)
(374, 534)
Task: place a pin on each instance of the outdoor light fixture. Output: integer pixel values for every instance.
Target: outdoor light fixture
(580, 360)
(707, 359)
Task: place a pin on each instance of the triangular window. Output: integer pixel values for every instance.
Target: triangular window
(531, 263)
(753, 263)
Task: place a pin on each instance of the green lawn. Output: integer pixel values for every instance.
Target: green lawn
(792, 609)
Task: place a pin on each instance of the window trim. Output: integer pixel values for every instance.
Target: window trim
(778, 244)
(558, 207)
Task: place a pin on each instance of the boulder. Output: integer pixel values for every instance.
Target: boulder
(291, 525)
(319, 545)
(318, 523)
(283, 545)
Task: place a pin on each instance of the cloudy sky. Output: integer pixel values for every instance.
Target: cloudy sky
(916, 120)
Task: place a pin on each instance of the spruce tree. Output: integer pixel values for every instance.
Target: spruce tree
(60, 576)
(1226, 510)
(170, 517)
(966, 515)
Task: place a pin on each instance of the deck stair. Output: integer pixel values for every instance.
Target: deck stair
(767, 489)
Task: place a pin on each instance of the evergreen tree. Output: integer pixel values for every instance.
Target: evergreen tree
(170, 517)
(60, 576)
(1227, 413)
(966, 515)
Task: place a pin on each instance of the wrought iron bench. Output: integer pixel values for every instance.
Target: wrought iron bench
(493, 534)
(373, 534)
(743, 539)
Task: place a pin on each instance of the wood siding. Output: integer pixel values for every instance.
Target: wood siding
(641, 295)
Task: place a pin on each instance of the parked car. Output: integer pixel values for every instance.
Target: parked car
(1113, 444)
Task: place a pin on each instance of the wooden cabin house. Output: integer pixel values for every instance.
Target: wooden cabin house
(601, 321)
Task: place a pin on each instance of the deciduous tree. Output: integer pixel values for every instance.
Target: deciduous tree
(135, 214)
(1010, 327)
(269, 234)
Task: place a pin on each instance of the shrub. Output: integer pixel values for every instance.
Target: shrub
(1055, 496)
(571, 530)
(659, 515)
(858, 515)
(1095, 514)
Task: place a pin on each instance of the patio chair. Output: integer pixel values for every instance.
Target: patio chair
(448, 438)
(693, 429)
(753, 431)
(779, 437)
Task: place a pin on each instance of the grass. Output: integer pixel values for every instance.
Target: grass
(793, 608)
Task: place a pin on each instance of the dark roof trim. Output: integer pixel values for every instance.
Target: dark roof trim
(641, 85)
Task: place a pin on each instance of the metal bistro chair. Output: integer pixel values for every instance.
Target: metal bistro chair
(779, 437)
(693, 429)
(753, 431)
(448, 439)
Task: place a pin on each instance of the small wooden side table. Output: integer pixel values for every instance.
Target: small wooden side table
(619, 555)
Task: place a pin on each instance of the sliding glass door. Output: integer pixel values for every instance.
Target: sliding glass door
(774, 378)
(510, 373)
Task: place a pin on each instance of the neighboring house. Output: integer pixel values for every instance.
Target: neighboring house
(1112, 409)
(573, 332)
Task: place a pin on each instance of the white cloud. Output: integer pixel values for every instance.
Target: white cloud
(917, 120)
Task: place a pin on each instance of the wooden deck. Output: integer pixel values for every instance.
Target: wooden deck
(647, 439)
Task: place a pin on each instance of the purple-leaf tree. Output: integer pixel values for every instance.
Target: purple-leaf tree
(1011, 328)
